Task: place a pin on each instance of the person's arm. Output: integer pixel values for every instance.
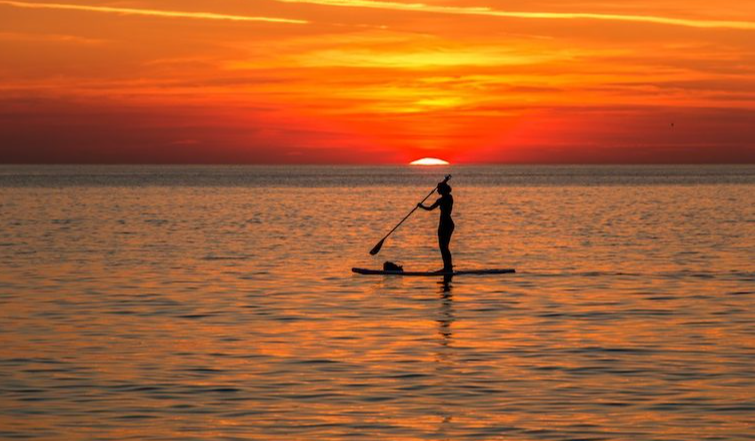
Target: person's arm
(431, 207)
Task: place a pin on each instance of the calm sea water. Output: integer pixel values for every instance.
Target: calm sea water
(217, 303)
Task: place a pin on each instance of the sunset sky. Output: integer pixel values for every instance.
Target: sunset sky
(377, 82)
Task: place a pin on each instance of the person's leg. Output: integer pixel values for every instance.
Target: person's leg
(444, 240)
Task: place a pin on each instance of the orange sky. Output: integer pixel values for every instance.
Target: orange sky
(361, 81)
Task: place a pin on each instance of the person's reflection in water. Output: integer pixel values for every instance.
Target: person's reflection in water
(446, 284)
(446, 317)
(445, 355)
(446, 310)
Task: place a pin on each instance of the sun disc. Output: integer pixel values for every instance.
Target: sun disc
(429, 161)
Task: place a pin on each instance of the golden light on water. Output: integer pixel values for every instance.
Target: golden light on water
(285, 353)
(429, 161)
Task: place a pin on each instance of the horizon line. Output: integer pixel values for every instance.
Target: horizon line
(358, 164)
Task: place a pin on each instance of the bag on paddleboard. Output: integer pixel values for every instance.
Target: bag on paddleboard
(390, 266)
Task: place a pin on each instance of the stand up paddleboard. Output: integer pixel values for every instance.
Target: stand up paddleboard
(369, 272)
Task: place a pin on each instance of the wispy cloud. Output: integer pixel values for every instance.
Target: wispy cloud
(151, 12)
(48, 38)
(485, 11)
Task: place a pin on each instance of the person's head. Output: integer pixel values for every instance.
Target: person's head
(444, 188)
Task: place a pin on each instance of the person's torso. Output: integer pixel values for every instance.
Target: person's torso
(446, 205)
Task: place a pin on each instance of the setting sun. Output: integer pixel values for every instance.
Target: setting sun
(429, 161)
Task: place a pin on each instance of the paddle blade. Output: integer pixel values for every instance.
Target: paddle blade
(376, 248)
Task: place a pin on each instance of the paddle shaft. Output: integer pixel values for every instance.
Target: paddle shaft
(413, 210)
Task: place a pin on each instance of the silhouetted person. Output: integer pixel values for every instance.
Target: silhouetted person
(446, 225)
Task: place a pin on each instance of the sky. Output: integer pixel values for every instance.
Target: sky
(377, 82)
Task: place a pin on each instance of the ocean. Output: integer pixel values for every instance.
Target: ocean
(217, 302)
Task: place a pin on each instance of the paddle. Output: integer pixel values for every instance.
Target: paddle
(376, 248)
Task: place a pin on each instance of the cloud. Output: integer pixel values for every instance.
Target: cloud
(151, 12)
(485, 11)
(48, 38)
